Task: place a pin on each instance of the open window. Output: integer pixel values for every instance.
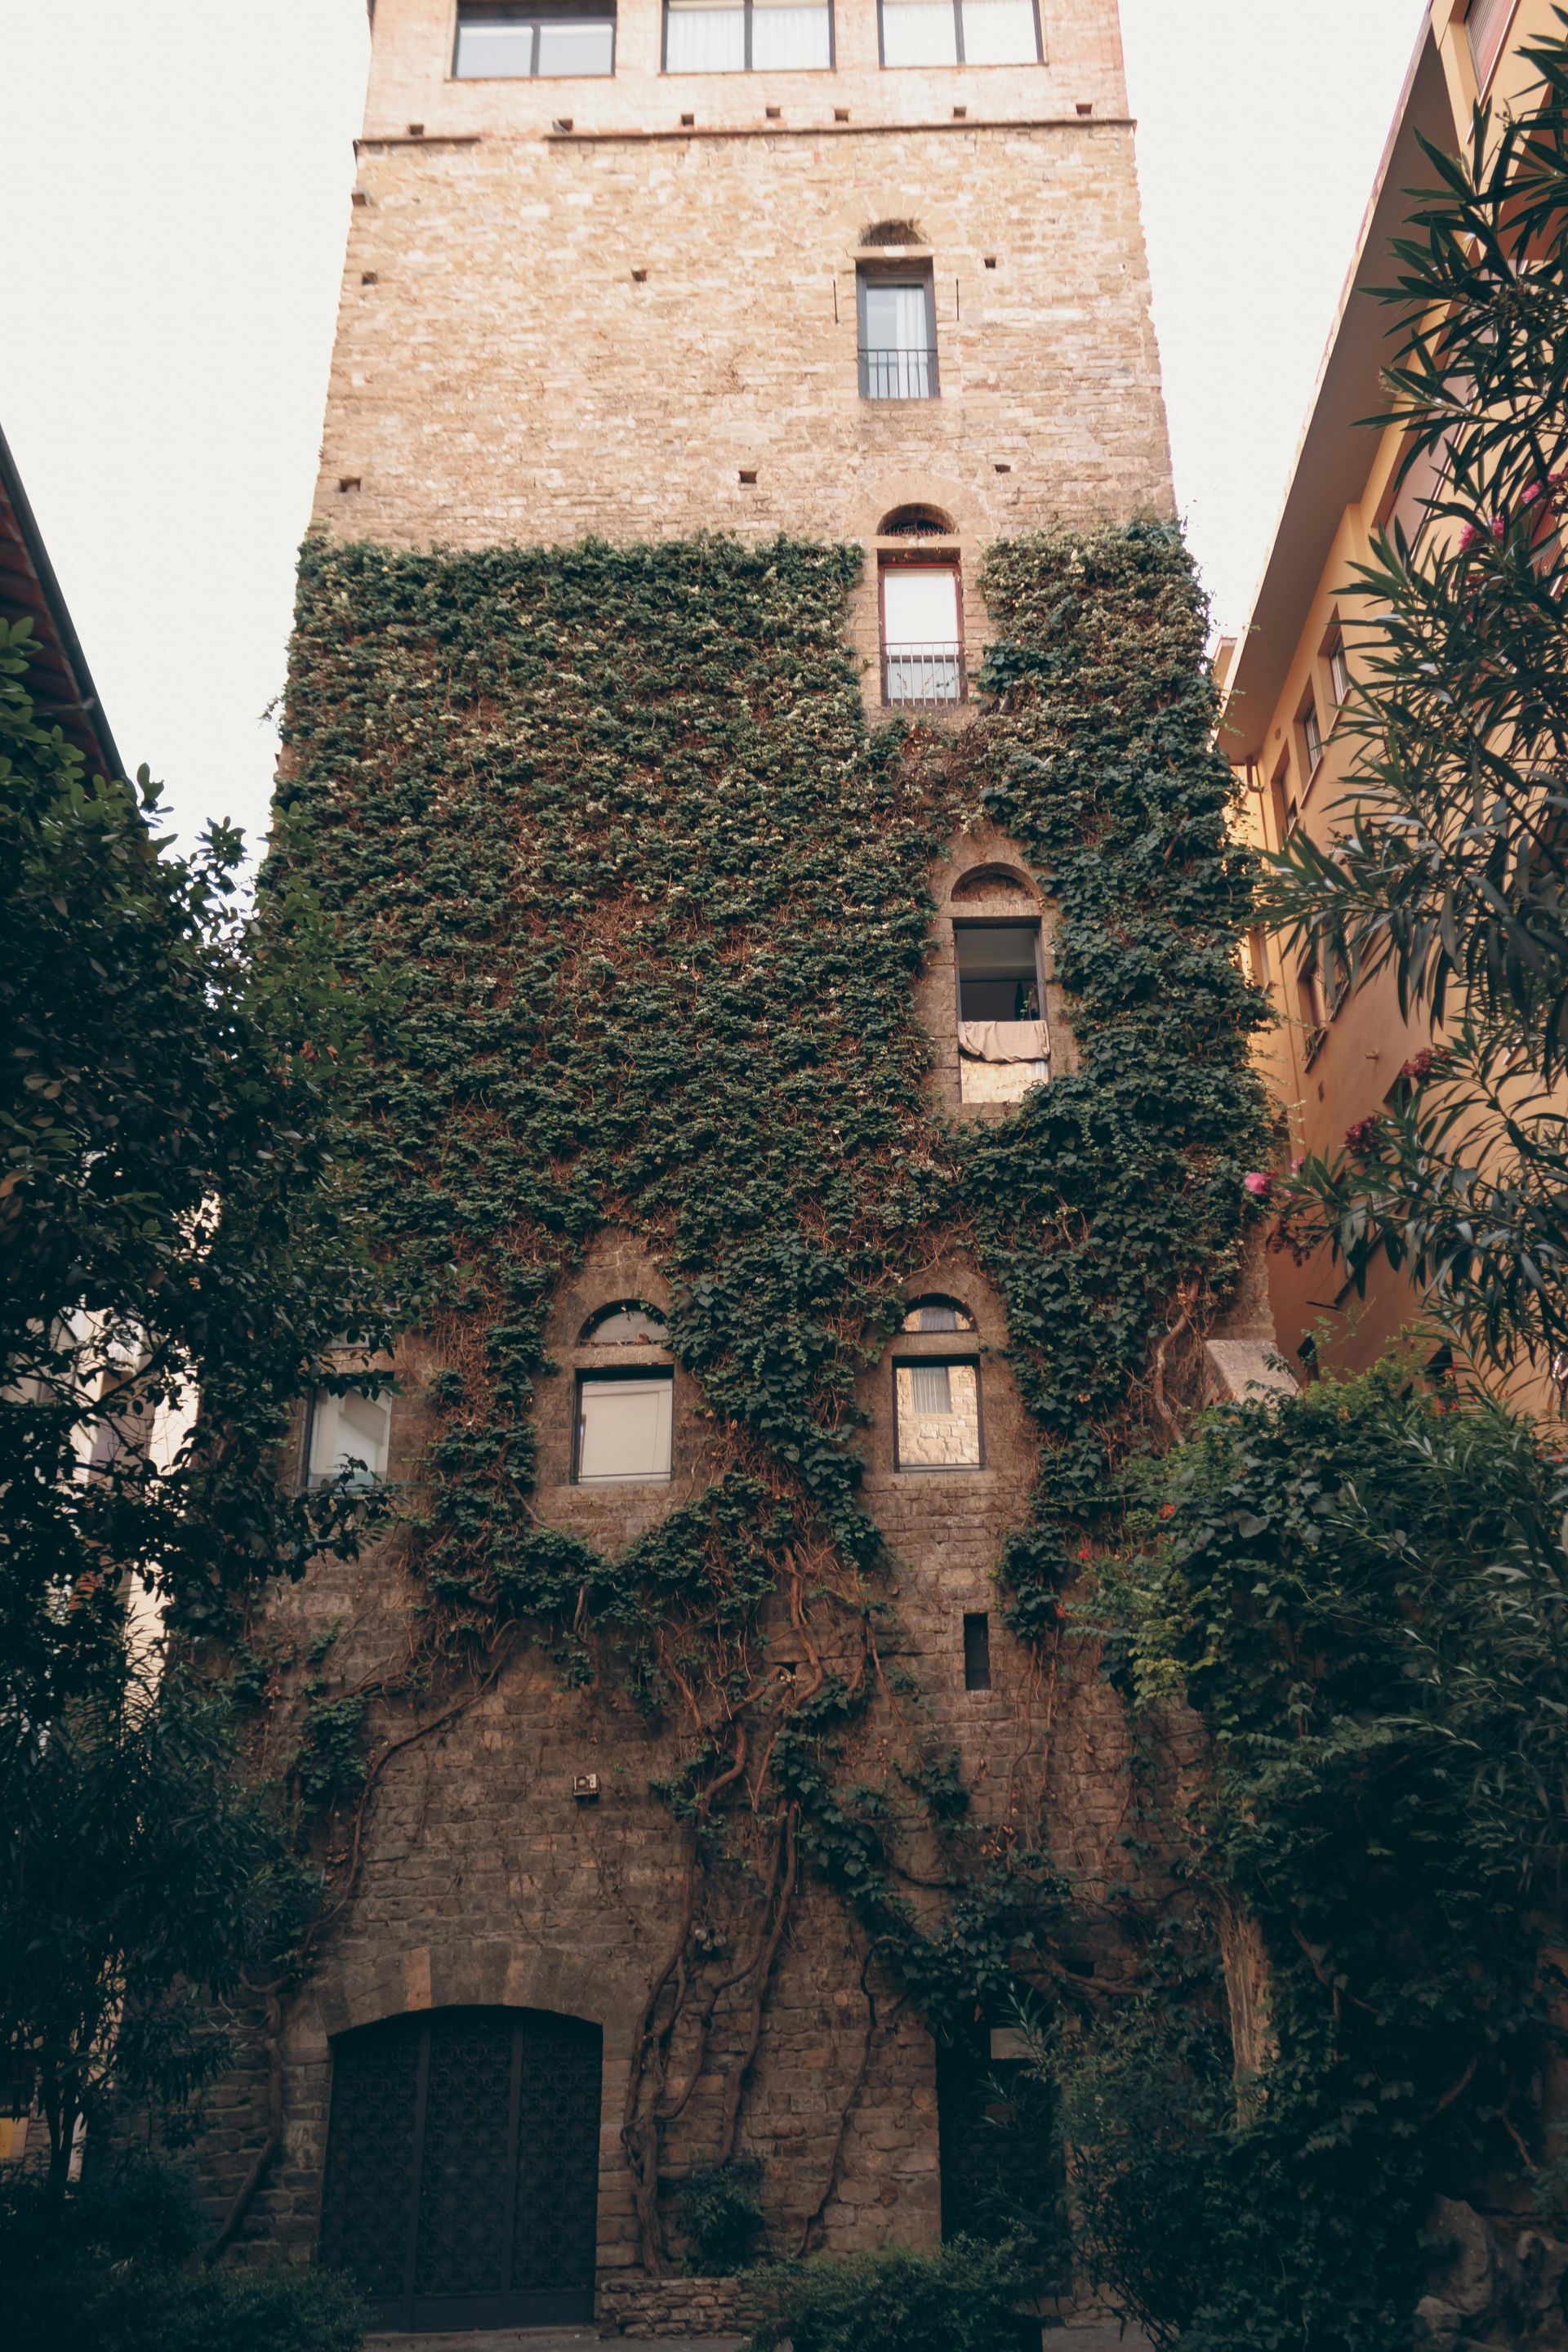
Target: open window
(936, 1413)
(897, 306)
(1004, 1045)
(348, 1437)
(625, 1426)
(526, 40)
(922, 632)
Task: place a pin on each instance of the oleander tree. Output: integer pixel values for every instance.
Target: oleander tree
(1448, 861)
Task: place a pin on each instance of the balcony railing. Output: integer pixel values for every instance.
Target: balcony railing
(922, 677)
(898, 375)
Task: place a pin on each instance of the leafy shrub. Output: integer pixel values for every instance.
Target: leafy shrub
(721, 2214)
(964, 2298)
(115, 2268)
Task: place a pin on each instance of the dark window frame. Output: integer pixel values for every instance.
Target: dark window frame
(600, 1375)
(1003, 923)
(977, 1649)
(540, 12)
(970, 1356)
(896, 274)
(958, 43)
(749, 7)
(895, 561)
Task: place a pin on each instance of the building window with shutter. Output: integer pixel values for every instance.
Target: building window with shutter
(348, 1437)
(527, 40)
(1487, 22)
(1311, 736)
(922, 632)
(624, 1427)
(1339, 668)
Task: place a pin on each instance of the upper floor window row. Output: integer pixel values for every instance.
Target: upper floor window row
(522, 40)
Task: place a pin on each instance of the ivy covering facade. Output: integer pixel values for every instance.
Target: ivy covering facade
(627, 901)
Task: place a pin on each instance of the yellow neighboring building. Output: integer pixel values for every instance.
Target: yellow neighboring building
(1334, 1059)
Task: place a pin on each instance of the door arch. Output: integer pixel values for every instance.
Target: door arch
(461, 2186)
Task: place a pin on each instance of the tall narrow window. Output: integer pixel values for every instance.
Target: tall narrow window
(528, 39)
(1311, 736)
(1487, 23)
(747, 35)
(960, 32)
(898, 332)
(1339, 669)
(1004, 1045)
(922, 634)
(976, 1650)
(625, 1424)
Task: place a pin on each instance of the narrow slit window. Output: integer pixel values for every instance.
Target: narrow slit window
(527, 40)
(1311, 736)
(1339, 669)
(976, 1650)
(624, 1428)
(936, 1409)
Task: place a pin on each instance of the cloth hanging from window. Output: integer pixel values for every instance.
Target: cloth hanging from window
(1005, 1041)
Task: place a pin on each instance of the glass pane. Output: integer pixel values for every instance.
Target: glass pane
(997, 976)
(1000, 33)
(789, 36)
(938, 1419)
(625, 1430)
(919, 32)
(704, 40)
(349, 1433)
(626, 1327)
(920, 605)
(937, 1314)
(486, 51)
(898, 318)
(586, 48)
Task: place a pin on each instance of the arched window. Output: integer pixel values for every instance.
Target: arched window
(892, 232)
(937, 1314)
(627, 1324)
(916, 522)
(993, 882)
(625, 1414)
(936, 1391)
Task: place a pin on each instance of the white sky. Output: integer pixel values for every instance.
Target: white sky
(182, 170)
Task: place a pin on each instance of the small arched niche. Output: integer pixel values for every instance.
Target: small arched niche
(994, 882)
(625, 1323)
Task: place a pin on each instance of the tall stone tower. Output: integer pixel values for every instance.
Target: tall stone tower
(749, 772)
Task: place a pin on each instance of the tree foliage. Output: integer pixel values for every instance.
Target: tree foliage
(1448, 866)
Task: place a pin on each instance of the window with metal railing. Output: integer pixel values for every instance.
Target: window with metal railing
(747, 36)
(528, 40)
(922, 634)
(898, 332)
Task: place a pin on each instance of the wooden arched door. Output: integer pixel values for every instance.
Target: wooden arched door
(461, 2184)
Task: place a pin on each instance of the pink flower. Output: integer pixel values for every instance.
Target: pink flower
(1499, 524)
(1535, 491)
(1258, 1185)
(1468, 538)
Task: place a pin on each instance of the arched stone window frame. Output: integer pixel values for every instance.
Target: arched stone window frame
(959, 886)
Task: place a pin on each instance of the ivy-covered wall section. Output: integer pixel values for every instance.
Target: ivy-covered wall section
(625, 903)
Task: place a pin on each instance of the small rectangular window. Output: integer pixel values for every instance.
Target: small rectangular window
(747, 36)
(624, 1427)
(1004, 1045)
(922, 634)
(936, 1415)
(976, 1650)
(897, 308)
(524, 40)
(348, 1437)
(960, 32)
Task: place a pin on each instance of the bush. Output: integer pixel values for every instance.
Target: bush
(965, 2298)
(721, 2214)
(116, 2268)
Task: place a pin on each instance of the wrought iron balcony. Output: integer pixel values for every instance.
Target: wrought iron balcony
(923, 677)
(898, 375)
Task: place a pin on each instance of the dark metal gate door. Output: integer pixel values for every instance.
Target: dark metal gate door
(462, 2167)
